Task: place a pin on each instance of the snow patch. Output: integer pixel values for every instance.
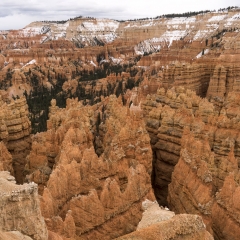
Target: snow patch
(91, 62)
(201, 34)
(181, 20)
(232, 19)
(29, 63)
(31, 31)
(116, 60)
(206, 51)
(154, 44)
(216, 18)
(98, 25)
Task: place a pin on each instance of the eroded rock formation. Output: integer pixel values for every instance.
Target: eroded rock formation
(20, 210)
(158, 223)
(85, 195)
(93, 164)
(190, 51)
(209, 162)
(198, 142)
(167, 114)
(15, 130)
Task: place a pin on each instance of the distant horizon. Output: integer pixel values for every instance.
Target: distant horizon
(133, 19)
(17, 14)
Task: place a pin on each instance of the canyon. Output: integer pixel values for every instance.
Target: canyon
(101, 121)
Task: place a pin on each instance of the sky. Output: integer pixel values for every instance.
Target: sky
(16, 14)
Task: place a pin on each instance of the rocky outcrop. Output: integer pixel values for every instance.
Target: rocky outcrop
(160, 223)
(224, 80)
(20, 210)
(5, 159)
(153, 214)
(85, 194)
(15, 133)
(167, 114)
(206, 184)
(14, 235)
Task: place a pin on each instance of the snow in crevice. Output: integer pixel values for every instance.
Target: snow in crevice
(31, 31)
(30, 62)
(94, 39)
(231, 20)
(146, 47)
(154, 44)
(149, 23)
(206, 51)
(91, 62)
(116, 60)
(201, 34)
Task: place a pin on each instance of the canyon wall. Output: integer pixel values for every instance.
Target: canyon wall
(167, 114)
(196, 156)
(197, 51)
(15, 133)
(211, 158)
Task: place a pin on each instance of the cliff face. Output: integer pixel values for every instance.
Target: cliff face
(20, 210)
(195, 148)
(209, 163)
(86, 195)
(167, 114)
(15, 133)
(189, 51)
(5, 159)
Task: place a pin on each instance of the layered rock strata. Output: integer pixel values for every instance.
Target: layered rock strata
(195, 146)
(15, 130)
(209, 162)
(185, 50)
(5, 159)
(167, 114)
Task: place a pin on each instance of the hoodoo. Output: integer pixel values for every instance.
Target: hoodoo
(121, 129)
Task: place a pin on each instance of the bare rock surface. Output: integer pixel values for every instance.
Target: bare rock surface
(5, 159)
(14, 235)
(85, 194)
(15, 128)
(20, 210)
(153, 214)
(160, 223)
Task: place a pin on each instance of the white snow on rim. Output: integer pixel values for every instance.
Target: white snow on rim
(181, 20)
(217, 18)
(98, 25)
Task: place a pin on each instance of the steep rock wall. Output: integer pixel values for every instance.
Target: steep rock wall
(15, 133)
(206, 179)
(167, 114)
